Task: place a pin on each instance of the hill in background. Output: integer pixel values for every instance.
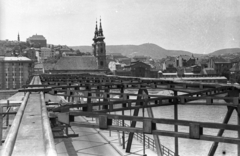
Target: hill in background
(152, 50)
(226, 51)
(147, 49)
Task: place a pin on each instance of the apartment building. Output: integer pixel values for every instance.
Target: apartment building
(14, 71)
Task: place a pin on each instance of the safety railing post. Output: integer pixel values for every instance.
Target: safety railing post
(1, 119)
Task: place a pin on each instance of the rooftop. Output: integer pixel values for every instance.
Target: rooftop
(76, 63)
(37, 37)
(16, 59)
(218, 59)
(39, 65)
(140, 57)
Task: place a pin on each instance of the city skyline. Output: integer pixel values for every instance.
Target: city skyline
(200, 26)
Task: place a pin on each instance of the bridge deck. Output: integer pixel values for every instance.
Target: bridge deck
(34, 138)
(30, 136)
(93, 142)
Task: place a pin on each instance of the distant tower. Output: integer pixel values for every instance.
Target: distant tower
(18, 38)
(95, 40)
(99, 47)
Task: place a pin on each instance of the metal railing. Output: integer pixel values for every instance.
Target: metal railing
(149, 142)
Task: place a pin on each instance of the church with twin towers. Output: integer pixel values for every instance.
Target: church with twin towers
(99, 46)
(85, 64)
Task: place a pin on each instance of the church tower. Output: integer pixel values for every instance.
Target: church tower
(18, 38)
(99, 47)
(95, 40)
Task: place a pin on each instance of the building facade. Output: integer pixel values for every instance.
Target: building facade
(137, 69)
(220, 65)
(14, 72)
(37, 41)
(45, 53)
(185, 61)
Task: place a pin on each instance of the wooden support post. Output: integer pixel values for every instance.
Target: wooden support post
(133, 123)
(238, 112)
(98, 94)
(220, 132)
(72, 100)
(89, 100)
(1, 125)
(143, 133)
(123, 133)
(175, 126)
(106, 98)
(7, 116)
(155, 137)
(123, 122)
(119, 138)
(66, 126)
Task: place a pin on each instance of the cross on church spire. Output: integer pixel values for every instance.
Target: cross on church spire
(100, 32)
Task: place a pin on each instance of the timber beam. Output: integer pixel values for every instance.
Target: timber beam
(195, 128)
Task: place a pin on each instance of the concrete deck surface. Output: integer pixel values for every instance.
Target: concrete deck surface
(30, 133)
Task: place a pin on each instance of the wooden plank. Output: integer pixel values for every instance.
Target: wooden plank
(162, 121)
(26, 86)
(161, 132)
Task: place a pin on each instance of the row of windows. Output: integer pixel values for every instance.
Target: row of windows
(14, 74)
(13, 69)
(15, 79)
(14, 87)
(14, 65)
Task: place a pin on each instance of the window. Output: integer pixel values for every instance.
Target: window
(101, 63)
(101, 50)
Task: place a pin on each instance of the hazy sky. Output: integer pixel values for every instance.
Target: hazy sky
(199, 26)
